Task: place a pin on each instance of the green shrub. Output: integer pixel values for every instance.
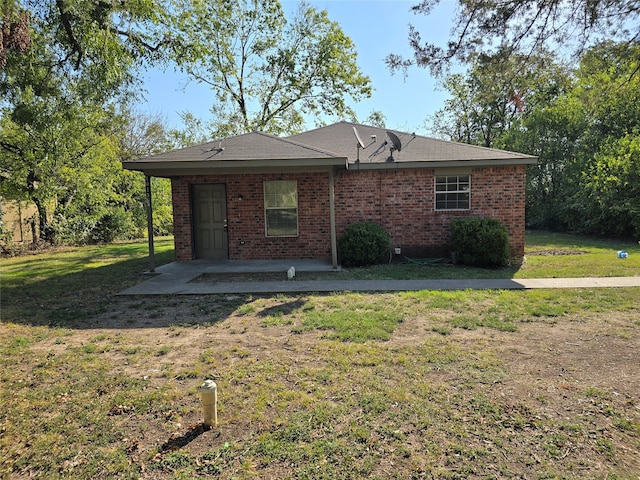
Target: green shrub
(77, 229)
(8, 247)
(363, 244)
(114, 225)
(69, 231)
(482, 242)
(162, 220)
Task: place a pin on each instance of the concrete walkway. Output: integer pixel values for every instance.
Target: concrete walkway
(175, 279)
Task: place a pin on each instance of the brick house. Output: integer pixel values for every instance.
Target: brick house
(256, 196)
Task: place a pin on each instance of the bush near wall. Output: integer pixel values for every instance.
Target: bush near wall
(363, 244)
(482, 242)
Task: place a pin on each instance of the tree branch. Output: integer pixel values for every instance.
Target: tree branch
(10, 148)
(136, 39)
(65, 19)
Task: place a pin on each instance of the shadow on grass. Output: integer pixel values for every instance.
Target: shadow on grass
(80, 295)
(286, 308)
(66, 292)
(177, 442)
(71, 286)
(77, 288)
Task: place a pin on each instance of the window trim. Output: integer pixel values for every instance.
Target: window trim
(267, 208)
(458, 192)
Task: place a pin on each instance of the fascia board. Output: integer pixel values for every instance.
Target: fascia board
(233, 166)
(441, 164)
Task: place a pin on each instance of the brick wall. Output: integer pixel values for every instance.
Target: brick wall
(400, 200)
(499, 192)
(245, 217)
(182, 214)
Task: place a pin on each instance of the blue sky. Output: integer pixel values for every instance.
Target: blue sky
(377, 27)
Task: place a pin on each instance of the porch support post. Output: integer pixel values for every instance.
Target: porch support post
(332, 221)
(152, 261)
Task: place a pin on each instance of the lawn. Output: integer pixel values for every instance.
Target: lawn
(475, 384)
(546, 256)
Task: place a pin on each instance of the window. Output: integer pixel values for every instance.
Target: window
(453, 192)
(281, 208)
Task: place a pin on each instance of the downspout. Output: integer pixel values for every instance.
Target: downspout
(332, 221)
(152, 261)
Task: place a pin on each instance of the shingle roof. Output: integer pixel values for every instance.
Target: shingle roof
(333, 145)
(249, 146)
(340, 138)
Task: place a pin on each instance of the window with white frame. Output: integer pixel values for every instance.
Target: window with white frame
(453, 192)
(281, 208)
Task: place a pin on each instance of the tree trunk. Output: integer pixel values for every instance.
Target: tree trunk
(42, 219)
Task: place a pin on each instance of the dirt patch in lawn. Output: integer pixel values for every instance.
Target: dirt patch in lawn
(556, 252)
(561, 398)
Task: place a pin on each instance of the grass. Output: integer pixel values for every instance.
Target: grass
(73, 284)
(583, 257)
(546, 256)
(350, 385)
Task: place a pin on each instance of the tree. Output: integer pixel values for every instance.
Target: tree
(139, 136)
(53, 154)
(14, 32)
(609, 89)
(611, 184)
(585, 180)
(552, 132)
(376, 119)
(194, 131)
(98, 44)
(64, 65)
(267, 73)
(579, 123)
(521, 26)
(605, 202)
(495, 93)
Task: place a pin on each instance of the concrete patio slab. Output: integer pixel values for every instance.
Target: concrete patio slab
(177, 279)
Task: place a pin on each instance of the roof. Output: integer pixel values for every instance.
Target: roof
(255, 151)
(323, 148)
(415, 150)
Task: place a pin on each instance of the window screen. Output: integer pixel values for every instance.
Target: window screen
(281, 208)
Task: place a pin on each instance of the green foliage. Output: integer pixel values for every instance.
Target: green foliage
(580, 123)
(482, 27)
(480, 241)
(59, 166)
(494, 94)
(612, 185)
(162, 216)
(90, 273)
(363, 243)
(267, 72)
(502, 103)
(61, 138)
(603, 200)
(113, 225)
(552, 132)
(96, 45)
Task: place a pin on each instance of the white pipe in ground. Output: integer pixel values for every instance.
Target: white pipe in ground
(209, 396)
